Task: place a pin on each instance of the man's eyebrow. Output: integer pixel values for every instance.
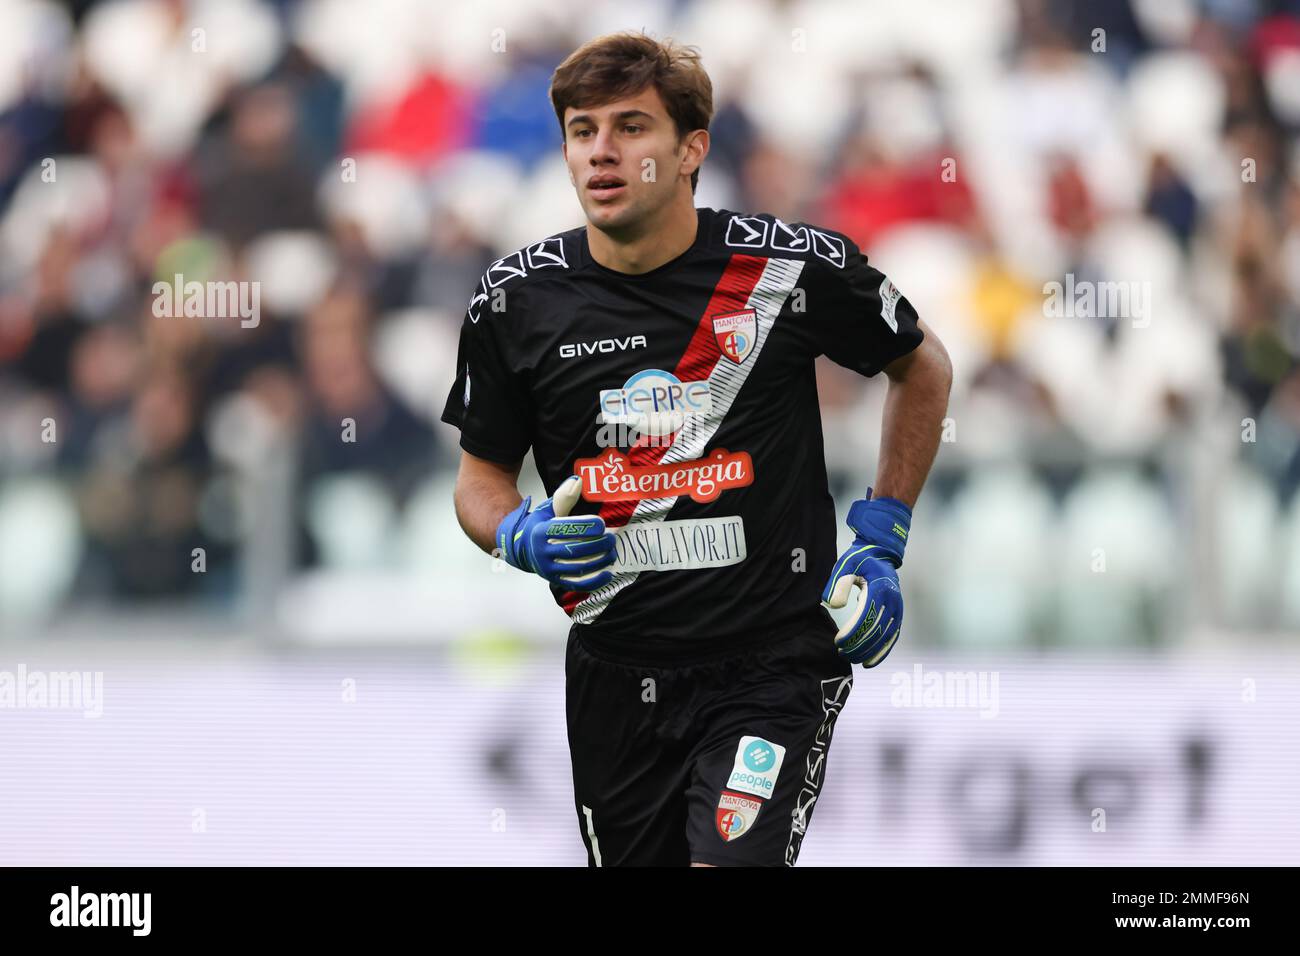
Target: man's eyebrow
(618, 117)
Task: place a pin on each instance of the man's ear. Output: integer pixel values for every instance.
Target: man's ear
(697, 147)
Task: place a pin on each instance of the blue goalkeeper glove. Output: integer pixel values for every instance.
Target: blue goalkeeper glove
(571, 552)
(871, 563)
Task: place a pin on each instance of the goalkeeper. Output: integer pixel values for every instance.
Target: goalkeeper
(660, 365)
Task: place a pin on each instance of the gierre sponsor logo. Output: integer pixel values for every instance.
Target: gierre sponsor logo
(611, 477)
(655, 401)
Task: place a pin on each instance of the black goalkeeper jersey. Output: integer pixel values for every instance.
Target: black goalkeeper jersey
(686, 400)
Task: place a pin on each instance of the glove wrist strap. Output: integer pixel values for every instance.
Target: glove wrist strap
(883, 522)
(513, 552)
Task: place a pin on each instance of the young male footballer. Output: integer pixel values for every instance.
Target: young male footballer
(659, 362)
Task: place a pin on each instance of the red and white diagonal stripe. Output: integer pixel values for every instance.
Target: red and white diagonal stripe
(748, 282)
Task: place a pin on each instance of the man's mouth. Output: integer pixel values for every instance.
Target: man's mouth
(605, 185)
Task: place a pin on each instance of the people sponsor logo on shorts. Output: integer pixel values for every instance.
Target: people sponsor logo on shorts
(611, 477)
(736, 815)
(756, 766)
(655, 402)
(736, 333)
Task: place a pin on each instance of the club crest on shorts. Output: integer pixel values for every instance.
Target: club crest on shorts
(736, 814)
(736, 333)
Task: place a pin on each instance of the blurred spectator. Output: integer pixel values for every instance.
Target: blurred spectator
(251, 180)
(141, 499)
(353, 422)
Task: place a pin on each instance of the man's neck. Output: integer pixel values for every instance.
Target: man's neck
(657, 243)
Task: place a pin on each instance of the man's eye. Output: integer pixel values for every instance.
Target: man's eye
(581, 133)
(632, 128)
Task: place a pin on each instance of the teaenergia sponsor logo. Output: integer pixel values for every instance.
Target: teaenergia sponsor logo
(612, 477)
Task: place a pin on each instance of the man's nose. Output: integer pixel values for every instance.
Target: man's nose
(604, 150)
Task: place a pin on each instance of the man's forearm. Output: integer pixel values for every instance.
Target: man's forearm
(915, 406)
(480, 506)
(482, 500)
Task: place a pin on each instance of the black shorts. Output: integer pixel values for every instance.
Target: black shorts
(719, 762)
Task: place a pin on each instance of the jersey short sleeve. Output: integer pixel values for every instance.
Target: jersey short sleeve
(488, 400)
(859, 318)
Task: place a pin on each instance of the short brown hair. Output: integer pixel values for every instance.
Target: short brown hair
(618, 65)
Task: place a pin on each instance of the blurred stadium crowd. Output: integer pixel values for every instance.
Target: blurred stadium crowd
(1123, 479)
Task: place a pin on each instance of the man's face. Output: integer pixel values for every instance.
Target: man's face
(624, 159)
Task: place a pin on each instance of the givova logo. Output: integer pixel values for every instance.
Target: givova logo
(756, 766)
(602, 346)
